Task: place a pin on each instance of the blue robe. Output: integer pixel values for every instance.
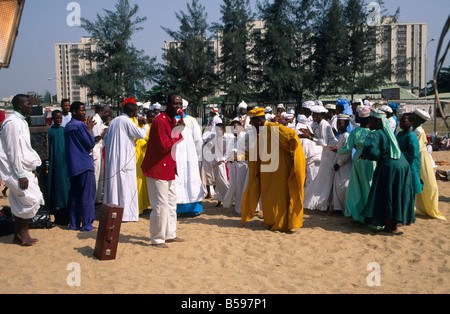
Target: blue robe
(80, 166)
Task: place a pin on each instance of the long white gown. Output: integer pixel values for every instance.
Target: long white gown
(120, 166)
(19, 159)
(342, 176)
(238, 173)
(189, 186)
(317, 193)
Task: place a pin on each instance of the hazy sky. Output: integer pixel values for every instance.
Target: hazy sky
(44, 23)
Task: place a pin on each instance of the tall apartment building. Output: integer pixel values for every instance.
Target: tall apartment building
(69, 66)
(407, 42)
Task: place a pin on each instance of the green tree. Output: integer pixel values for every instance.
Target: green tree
(443, 82)
(274, 51)
(303, 15)
(235, 64)
(123, 70)
(190, 60)
(329, 59)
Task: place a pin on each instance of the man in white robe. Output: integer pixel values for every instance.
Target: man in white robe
(101, 116)
(188, 182)
(243, 118)
(237, 169)
(313, 152)
(318, 192)
(213, 119)
(18, 162)
(120, 161)
(220, 142)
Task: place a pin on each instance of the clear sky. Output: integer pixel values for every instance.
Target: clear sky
(44, 23)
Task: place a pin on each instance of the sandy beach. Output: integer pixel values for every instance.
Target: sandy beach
(330, 254)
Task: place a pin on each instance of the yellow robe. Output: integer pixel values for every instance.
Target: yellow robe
(281, 191)
(427, 202)
(141, 148)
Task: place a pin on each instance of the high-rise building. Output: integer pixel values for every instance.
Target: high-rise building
(407, 48)
(69, 66)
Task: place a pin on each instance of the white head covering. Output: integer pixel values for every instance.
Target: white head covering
(319, 109)
(243, 105)
(358, 101)
(386, 109)
(301, 118)
(146, 105)
(367, 102)
(330, 106)
(157, 106)
(291, 111)
(280, 106)
(423, 114)
(343, 116)
(318, 103)
(185, 104)
(268, 109)
(308, 104)
(364, 112)
(289, 116)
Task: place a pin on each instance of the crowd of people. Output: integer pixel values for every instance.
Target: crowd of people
(346, 158)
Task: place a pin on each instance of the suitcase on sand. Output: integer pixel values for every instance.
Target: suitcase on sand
(108, 232)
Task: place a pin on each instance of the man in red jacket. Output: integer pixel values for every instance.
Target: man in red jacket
(160, 168)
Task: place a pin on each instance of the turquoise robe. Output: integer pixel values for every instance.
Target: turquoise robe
(361, 174)
(409, 145)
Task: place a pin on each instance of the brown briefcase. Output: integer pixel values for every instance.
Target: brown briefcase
(108, 232)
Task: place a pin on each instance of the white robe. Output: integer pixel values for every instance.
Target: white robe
(188, 181)
(120, 166)
(313, 154)
(18, 160)
(98, 157)
(342, 176)
(218, 150)
(317, 193)
(238, 173)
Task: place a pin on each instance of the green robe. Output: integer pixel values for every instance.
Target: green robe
(409, 145)
(361, 174)
(58, 179)
(392, 194)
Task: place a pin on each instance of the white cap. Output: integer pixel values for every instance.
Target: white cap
(330, 106)
(268, 109)
(308, 104)
(423, 114)
(185, 104)
(301, 118)
(280, 106)
(291, 111)
(386, 109)
(243, 105)
(146, 105)
(289, 116)
(157, 106)
(318, 103)
(318, 109)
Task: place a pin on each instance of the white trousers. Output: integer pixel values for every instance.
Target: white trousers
(99, 177)
(163, 218)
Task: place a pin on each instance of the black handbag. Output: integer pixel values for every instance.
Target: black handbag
(42, 220)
